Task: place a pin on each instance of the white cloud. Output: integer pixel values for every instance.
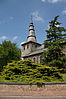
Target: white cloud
(15, 37)
(54, 1)
(57, 25)
(3, 37)
(22, 43)
(64, 11)
(43, 0)
(37, 17)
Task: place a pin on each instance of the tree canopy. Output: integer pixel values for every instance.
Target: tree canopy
(8, 51)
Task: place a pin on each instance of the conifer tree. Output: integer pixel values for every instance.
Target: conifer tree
(55, 39)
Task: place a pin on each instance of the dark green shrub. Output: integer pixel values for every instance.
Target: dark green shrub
(28, 72)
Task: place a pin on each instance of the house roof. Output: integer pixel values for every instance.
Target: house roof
(30, 42)
(39, 50)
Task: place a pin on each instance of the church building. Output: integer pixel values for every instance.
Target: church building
(31, 49)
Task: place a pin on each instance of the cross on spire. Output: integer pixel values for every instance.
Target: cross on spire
(31, 19)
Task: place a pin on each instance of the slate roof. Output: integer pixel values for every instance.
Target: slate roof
(30, 42)
(38, 50)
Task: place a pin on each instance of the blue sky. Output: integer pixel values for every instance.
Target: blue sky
(15, 16)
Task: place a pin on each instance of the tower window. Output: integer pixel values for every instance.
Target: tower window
(35, 45)
(24, 47)
(27, 46)
(32, 45)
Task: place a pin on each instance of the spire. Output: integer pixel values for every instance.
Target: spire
(31, 19)
(31, 36)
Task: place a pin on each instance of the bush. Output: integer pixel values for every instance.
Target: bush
(28, 72)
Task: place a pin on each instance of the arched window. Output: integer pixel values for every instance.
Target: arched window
(35, 45)
(37, 59)
(34, 59)
(27, 46)
(24, 47)
(40, 59)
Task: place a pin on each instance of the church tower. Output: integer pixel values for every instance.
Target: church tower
(31, 36)
(31, 44)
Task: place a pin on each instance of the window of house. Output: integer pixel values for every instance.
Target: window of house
(32, 45)
(40, 59)
(35, 45)
(27, 46)
(37, 59)
(24, 47)
(34, 59)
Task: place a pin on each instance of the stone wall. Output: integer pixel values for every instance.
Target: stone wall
(36, 57)
(33, 87)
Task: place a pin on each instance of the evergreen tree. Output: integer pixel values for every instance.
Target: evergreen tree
(55, 39)
(28, 72)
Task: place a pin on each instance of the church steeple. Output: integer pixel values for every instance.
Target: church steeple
(31, 36)
(31, 44)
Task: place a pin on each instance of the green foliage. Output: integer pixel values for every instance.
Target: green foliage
(28, 72)
(8, 51)
(55, 32)
(64, 76)
(55, 38)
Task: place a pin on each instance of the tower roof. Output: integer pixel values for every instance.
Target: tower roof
(31, 36)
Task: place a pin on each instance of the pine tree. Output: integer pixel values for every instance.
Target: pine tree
(55, 39)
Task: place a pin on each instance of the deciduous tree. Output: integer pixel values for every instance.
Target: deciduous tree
(8, 51)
